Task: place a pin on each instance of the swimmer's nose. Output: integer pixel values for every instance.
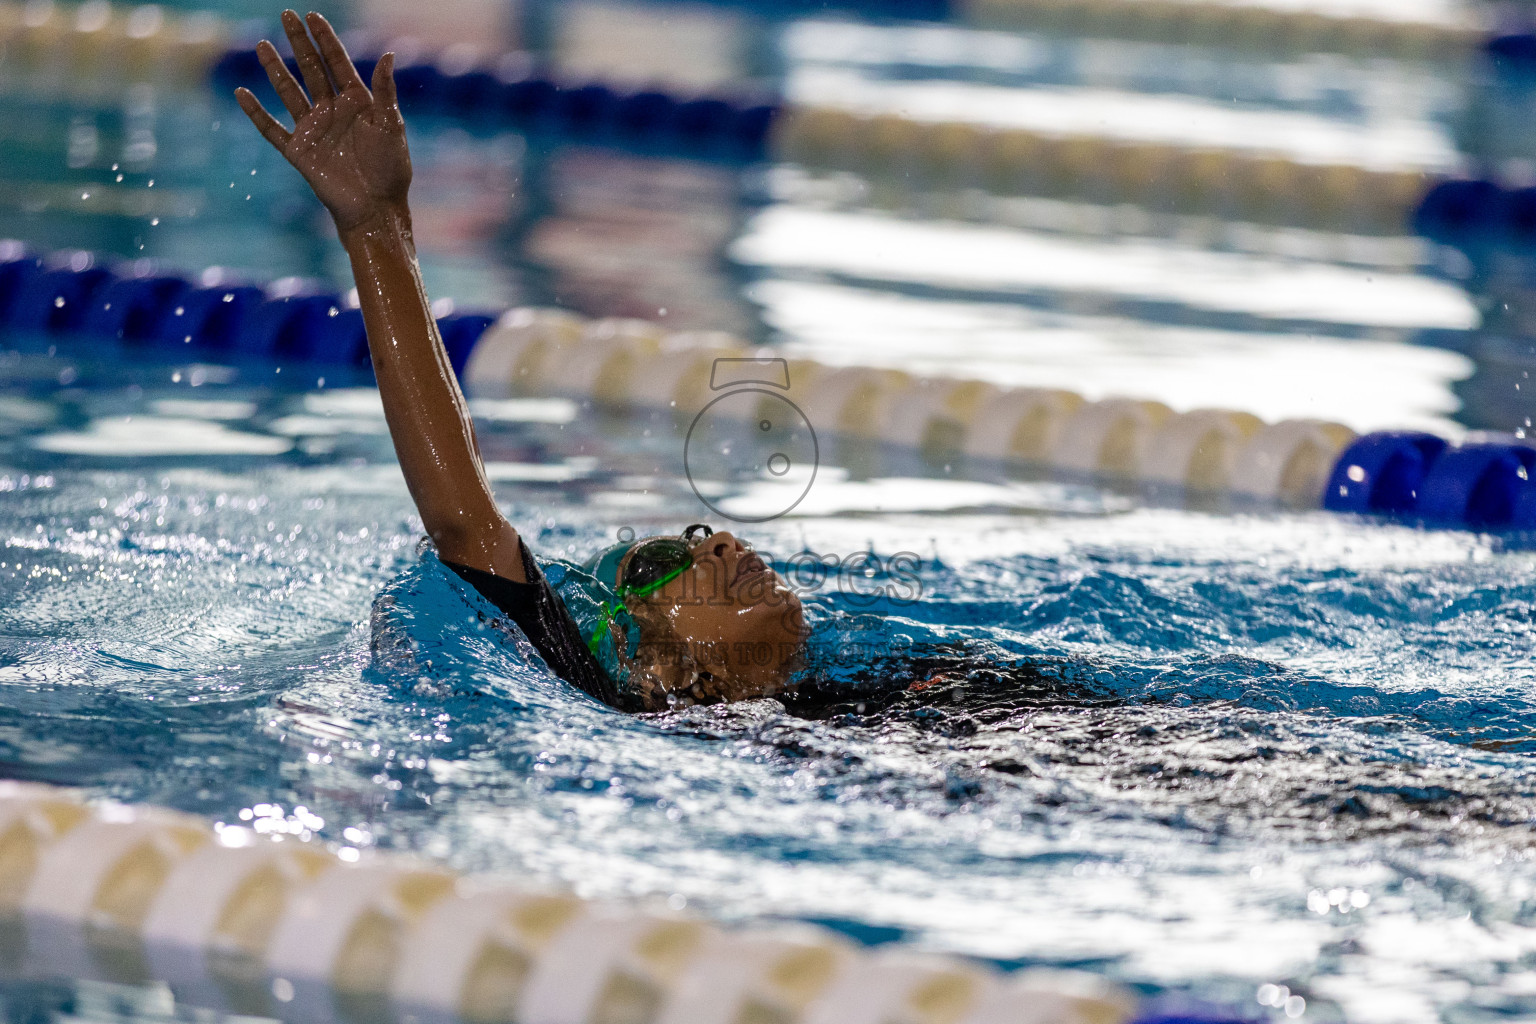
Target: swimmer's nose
(723, 543)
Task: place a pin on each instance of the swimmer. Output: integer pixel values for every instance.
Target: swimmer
(691, 618)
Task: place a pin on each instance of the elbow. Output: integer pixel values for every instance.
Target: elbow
(463, 535)
(449, 534)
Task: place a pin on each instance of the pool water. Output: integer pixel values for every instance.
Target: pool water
(1198, 753)
(1213, 756)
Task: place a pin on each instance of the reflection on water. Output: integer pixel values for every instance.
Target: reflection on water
(635, 237)
(1366, 383)
(968, 258)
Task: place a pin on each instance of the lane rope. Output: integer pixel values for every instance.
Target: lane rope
(634, 364)
(1235, 25)
(100, 42)
(252, 919)
(1237, 184)
(97, 42)
(1207, 451)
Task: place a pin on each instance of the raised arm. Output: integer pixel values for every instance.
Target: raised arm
(349, 144)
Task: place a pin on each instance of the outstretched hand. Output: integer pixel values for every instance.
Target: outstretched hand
(347, 142)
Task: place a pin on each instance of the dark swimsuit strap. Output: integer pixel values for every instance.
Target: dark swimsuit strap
(547, 623)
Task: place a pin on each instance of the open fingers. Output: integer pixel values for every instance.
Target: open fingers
(265, 123)
(282, 80)
(336, 60)
(310, 64)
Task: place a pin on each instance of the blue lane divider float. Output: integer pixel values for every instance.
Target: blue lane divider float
(1476, 213)
(1381, 473)
(1486, 486)
(1418, 478)
(79, 294)
(1512, 53)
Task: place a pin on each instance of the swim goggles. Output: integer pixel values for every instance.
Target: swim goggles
(646, 568)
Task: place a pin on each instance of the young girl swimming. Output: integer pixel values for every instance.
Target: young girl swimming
(692, 618)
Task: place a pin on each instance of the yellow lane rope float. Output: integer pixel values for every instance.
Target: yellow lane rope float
(633, 364)
(1239, 25)
(240, 922)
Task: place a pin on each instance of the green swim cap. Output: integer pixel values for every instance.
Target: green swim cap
(604, 566)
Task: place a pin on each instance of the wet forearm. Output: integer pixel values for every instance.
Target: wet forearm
(423, 405)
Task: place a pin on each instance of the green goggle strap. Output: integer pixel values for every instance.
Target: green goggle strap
(612, 608)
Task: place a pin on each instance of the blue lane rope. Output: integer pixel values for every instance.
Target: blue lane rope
(167, 312)
(1418, 478)
(1478, 214)
(1513, 53)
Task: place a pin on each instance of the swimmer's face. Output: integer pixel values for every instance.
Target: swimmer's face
(737, 620)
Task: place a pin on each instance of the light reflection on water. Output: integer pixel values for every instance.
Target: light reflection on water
(1363, 383)
(975, 258)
